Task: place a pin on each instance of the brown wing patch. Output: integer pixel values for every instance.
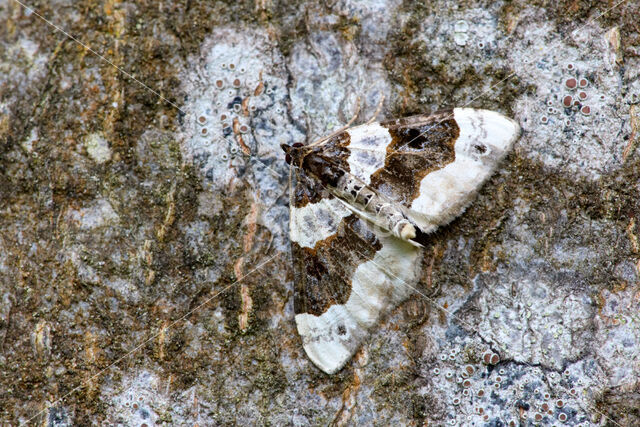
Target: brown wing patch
(307, 190)
(323, 274)
(337, 148)
(419, 146)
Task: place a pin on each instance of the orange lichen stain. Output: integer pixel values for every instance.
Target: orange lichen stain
(619, 287)
(244, 147)
(91, 351)
(344, 414)
(512, 22)
(634, 121)
(161, 341)
(259, 89)
(245, 107)
(146, 253)
(442, 313)
(247, 305)
(149, 277)
(41, 340)
(631, 228)
(247, 244)
(601, 301)
(252, 226)
(486, 264)
(90, 347)
(169, 216)
(236, 125)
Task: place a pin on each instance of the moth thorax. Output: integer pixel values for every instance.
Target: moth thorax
(326, 171)
(384, 213)
(293, 153)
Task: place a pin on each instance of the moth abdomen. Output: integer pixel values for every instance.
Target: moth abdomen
(377, 209)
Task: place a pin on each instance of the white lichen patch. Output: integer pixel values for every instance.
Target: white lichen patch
(27, 144)
(474, 33)
(125, 289)
(330, 79)
(97, 148)
(237, 118)
(528, 310)
(140, 402)
(535, 321)
(99, 213)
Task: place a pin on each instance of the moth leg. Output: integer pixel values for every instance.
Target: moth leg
(291, 190)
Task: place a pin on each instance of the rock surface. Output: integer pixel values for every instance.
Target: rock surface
(144, 268)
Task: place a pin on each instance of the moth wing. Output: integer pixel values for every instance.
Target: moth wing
(432, 166)
(347, 275)
(485, 137)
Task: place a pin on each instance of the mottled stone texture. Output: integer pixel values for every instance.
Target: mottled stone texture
(144, 267)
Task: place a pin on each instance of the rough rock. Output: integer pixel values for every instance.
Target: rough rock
(144, 268)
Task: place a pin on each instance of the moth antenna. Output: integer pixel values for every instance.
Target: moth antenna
(378, 109)
(308, 123)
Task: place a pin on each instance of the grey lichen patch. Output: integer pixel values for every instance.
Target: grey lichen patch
(238, 104)
(535, 319)
(571, 122)
(331, 82)
(478, 387)
(618, 332)
(142, 399)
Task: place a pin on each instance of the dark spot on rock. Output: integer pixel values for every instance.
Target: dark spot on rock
(236, 101)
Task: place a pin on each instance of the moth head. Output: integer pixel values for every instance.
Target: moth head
(293, 153)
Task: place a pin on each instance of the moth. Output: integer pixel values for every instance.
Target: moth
(364, 202)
